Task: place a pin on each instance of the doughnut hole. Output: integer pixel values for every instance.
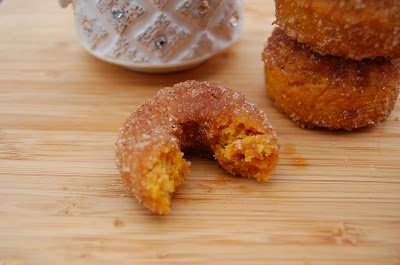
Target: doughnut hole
(162, 179)
(244, 151)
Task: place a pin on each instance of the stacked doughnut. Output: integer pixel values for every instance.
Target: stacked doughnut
(334, 64)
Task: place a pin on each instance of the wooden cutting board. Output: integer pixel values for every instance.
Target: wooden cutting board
(334, 199)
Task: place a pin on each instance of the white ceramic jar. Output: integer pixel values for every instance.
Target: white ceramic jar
(156, 35)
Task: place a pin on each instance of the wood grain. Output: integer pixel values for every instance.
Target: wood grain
(334, 199)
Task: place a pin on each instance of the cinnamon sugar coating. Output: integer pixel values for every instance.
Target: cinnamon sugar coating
(355, 29)
(198, 116)
(327, 91)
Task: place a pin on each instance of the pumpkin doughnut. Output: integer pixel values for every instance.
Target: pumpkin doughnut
(327, 91)
(355, 29)
(192, 116)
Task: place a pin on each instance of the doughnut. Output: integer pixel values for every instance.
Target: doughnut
(192, 115)
(327, 91)
(355, 29)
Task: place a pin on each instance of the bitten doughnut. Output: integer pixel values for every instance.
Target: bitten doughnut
(327, 91)
(355, 29)
(193, 115)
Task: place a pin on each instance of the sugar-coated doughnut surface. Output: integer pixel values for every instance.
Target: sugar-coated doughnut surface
(327, 91)
(355, 29)
(192, 115)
